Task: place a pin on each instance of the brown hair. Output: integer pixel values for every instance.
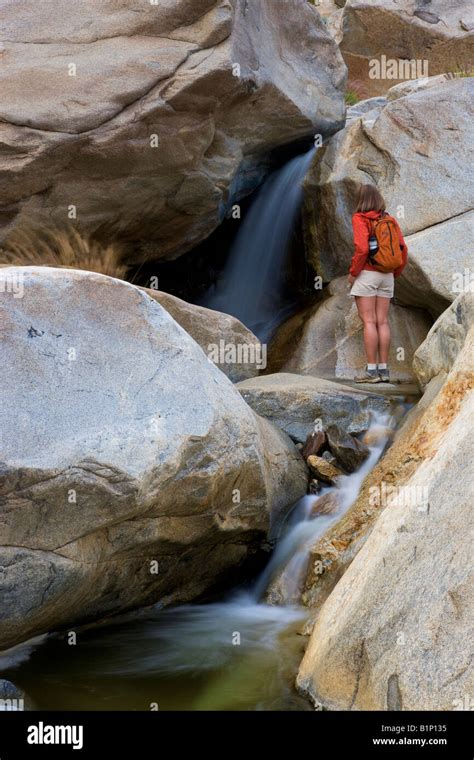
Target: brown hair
(369, 199)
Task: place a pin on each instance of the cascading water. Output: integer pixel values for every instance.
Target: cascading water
(290, 557)
(251, 286)
(242, 653)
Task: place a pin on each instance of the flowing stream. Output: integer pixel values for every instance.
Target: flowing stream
(251, 287)
(238, 654)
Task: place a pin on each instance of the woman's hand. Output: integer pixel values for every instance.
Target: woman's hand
(351, 279)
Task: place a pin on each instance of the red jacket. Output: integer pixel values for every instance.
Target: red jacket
(360, 260)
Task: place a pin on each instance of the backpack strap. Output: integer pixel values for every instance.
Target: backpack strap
(371, 234)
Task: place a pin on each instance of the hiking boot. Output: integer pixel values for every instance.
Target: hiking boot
(368, 376)
(384, 375)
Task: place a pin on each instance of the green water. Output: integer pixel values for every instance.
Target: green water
(183, 659)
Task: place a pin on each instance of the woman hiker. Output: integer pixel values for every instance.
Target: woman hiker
(380, 255)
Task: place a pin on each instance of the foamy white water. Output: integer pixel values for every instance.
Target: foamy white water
(289, 559)
(194, 638)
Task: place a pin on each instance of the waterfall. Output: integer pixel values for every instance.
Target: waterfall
(251, 287)
(289, 560)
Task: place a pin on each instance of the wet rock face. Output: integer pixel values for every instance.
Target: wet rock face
(149, 120)
(137, 473)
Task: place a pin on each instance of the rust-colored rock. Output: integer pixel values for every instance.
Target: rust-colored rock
(324, 470)
(313, 445)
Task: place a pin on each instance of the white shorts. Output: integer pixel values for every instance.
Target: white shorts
(369, 283)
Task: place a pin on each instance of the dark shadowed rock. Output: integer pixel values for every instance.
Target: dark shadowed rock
(349, 451)
(313, 445)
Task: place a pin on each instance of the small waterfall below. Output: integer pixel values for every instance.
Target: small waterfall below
(251, 286)
(241, 653)
(289, 560)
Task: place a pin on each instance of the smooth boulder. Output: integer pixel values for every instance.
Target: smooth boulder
(137, 474)
(441, 264)
(149, 121)
(446, 340)
(224, 339)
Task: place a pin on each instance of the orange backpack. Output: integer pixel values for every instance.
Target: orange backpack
(388, 255)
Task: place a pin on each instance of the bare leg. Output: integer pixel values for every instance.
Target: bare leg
(366, 309)
(383, 328)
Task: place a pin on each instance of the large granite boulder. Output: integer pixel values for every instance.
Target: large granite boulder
(445, 341)
(132, 471)
(224, 339)
(393, 575)
(149, 120)
(440, 265)
(408, 38)
(327, 339)
(401, 146)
